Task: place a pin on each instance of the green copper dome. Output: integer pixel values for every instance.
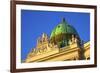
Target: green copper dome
(62, 34)
(63, 28)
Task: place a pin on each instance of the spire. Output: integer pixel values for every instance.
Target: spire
(63, 20)
(43, 35)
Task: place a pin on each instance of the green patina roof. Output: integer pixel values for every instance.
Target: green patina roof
(63, 27)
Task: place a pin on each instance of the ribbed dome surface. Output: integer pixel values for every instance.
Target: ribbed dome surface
(63, 28)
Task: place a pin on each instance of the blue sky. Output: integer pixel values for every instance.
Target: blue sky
(34, 23)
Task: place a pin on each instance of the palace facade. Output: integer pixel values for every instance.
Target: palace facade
(63, 44)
